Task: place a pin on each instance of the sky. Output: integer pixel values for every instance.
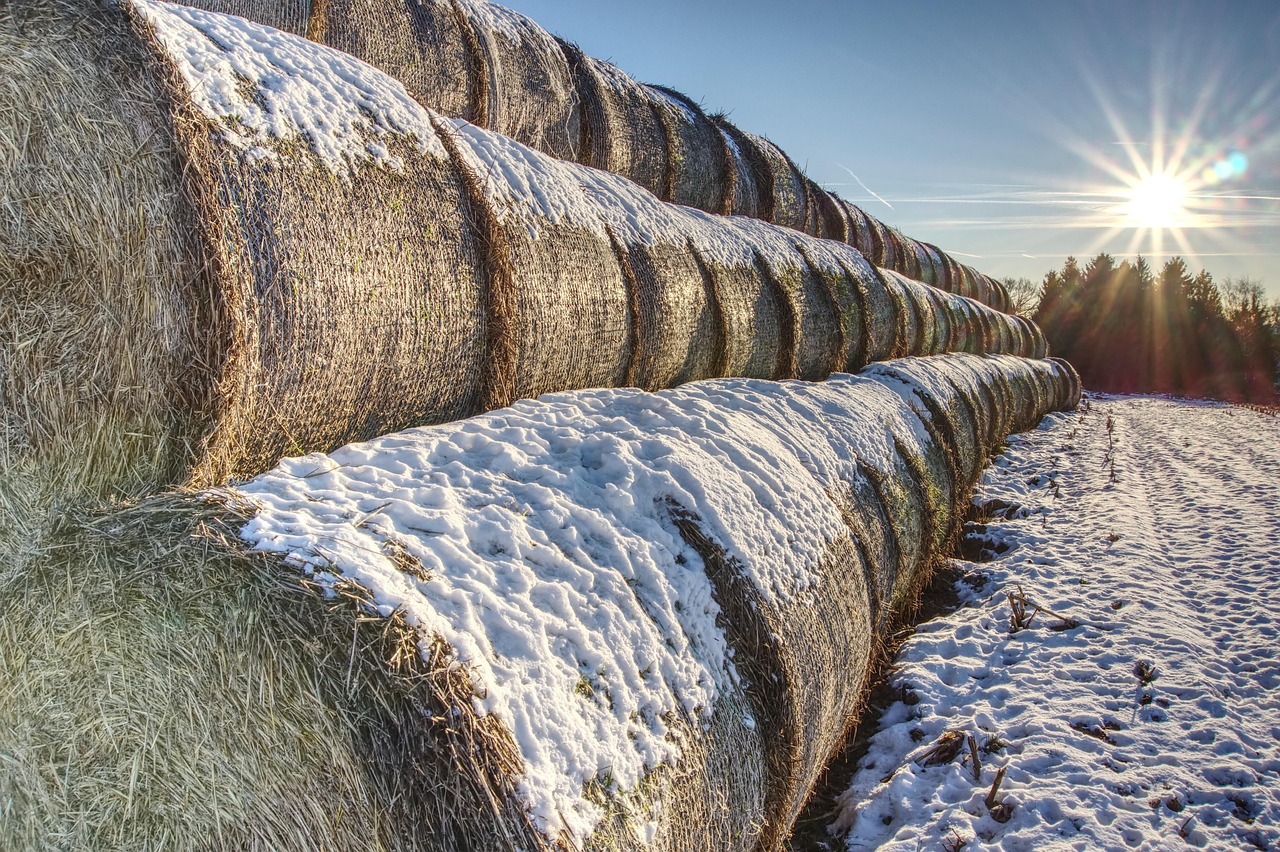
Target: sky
(1012, 134)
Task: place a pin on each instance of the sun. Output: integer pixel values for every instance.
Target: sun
(1156, 202)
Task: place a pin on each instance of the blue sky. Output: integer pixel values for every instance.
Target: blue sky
(986, 127)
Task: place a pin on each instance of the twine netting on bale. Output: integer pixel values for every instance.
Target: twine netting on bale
(531, 94)
(292, 16)
(296, 255)
(478, 61)
(427, 45)
(605, 619)
(698, 168)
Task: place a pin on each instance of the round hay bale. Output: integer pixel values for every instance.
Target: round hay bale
(292, 16)
(428, 45)
(788, 194)
(926, 341)
(699, 171)
(832, 263)
(944, 339)
(907, 320)
(531, 96)
(814, 315)
(906, 254)
(561, 296)
(883, 245)
(880, 324)
(217, 294)
(932, 267)
(862, 232)
(622, 130)
(749, 177)
(830, 217)
(1072, 388)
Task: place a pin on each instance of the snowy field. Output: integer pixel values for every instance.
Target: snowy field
(1143, 711)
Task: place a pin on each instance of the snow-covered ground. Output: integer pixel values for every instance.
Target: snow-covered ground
(1152, 724)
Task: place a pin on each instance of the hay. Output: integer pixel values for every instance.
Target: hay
(827, 213)
(185, 692)
(428, 45)
(307, 280)
(787, 197)
(699, 173)
(565, 305)
(623, 132)
(292, 16)
(497, 69)
(531, 96)
(749, 191)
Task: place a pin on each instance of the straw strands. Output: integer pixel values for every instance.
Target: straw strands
(478, 61)
(697, 577)
(230, 244)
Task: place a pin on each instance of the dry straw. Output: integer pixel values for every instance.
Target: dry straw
(164, 687)
(478, 61)
(183, 309)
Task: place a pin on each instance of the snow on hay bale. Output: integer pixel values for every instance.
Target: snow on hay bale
(428, 46)
(698, 168)
(253, 245)
(610, 618)
(478, 61)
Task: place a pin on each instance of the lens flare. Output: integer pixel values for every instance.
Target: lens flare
(1157, 201)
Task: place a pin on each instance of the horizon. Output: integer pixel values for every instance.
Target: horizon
(1145, 129)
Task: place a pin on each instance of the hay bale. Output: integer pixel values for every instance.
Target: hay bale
(531, 94)
(786, 200)
(562, 299)
(212, 285)
(427, 45)
(751, 186)
(907, 319)
(699, 172)
(622, 130)
(862, 233)
(1070, 380)
(366, 681)
(926, 324)
(906, 254)
(816, 321)
(830, 217)
(845, 275)
(292, 16)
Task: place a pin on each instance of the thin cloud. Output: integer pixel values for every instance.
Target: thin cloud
(865, 187)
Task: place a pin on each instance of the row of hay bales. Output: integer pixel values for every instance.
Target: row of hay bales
(185, 691)
(224, 244)
(495, 68)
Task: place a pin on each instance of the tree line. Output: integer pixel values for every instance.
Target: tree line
(1128, 329)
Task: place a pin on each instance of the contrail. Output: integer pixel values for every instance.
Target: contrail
(865, 187)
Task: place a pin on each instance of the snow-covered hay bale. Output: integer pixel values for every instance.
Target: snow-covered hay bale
(1073, 389)
(428, 46)
(622, 130)
(530, 88)
(750, 177)
(698, 167)
(558, 292)
(826, 216)
(607, 619)
(292, 16)
(197, 288)
(785, 195)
